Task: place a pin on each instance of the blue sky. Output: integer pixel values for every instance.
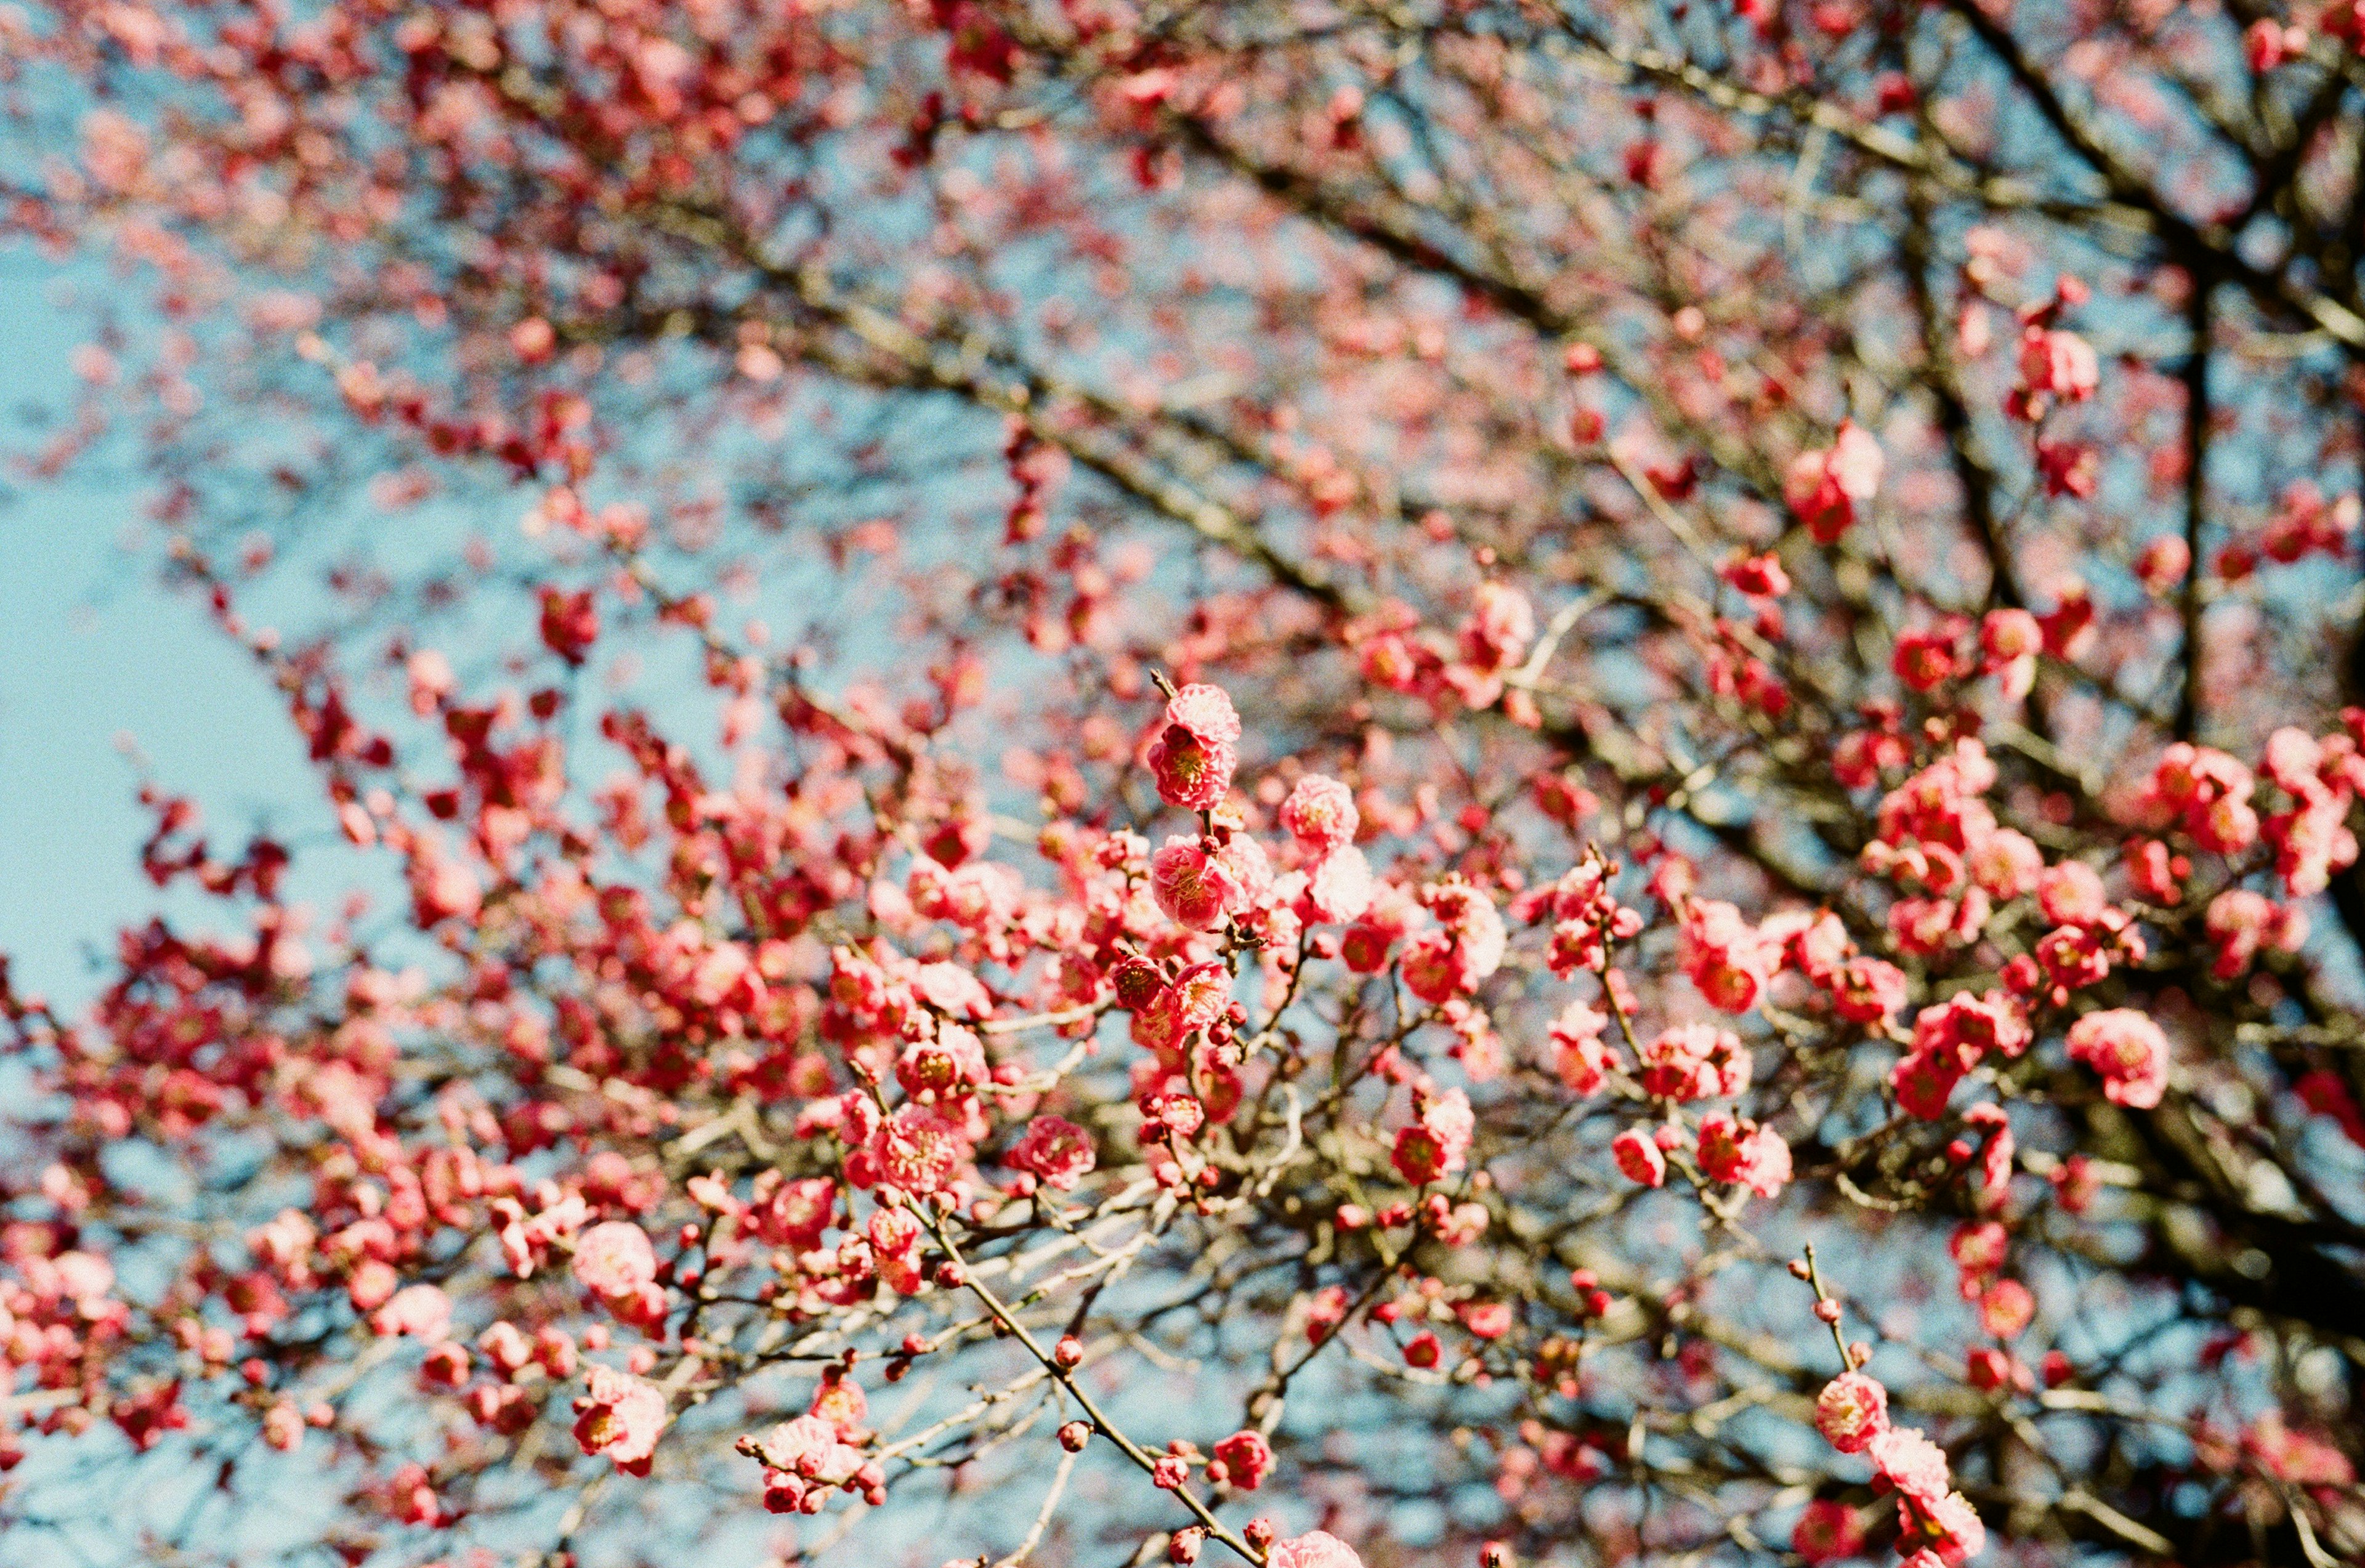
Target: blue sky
(94, 653)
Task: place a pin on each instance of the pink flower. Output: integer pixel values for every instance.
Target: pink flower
(1869, 991)
(614, 1260)
(2059, 363)
(1911, 1463)
(2004, 862)
(1949, 1526)
(1827, 1531)
(1193, 757)
(2211, 791)
(1965, 1027)
(1485, 1319)
(1765, 1163)
(1244, 862)
(1320, 813)
(841, 1402)
(1339, 889)
(1436, 1143)
(1745, 1155)
(1058, 1153)
(1580, 1055)
(1452, 961)
(2006, 1309)
(1979, 1250)
(1315, 1548)
(952, 1063)
(1639, 1157)
(2128, 1049)
(792, 1214)
(918, 1149)
(1501, 625)
(2072, 894)
(2240, 922)
(1758, 576)
(423, 1312)
(1200, 995)
(1923, 1080)
(1246, 1459)
(2163, 563)
(1726, 957)
(622, 1417)
(1825, 486)
(1851, 1410)
(1206, 713)
(808, 1449)
(1694, 1061)
(1192, 886)
(1926, 655)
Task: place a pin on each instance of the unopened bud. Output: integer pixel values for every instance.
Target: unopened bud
(1074, 1435)
(1184, 1547)
(1066, 1352)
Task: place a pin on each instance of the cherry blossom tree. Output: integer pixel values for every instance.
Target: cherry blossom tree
(1325, 783)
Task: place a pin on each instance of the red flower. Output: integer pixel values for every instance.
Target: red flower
(1246, 1459)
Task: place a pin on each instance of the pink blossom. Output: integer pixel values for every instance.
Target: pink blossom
(1757, 576)
(1339, 889)
(1639, 1157)
(1827, 1530)
(621, 1417)
(1438, 1140)
(2161, 564)
(2129, 1051)
(1851, 1410)
(1825, 486)
(1581, 1055)
(1725, 956)
(1949, 1525)
(1058, 1152)
(952, 1063)
(1694, 1061)
(1320, 814)
(615, 1258)
(918, 1149)
(1468, 947)
(423, 1312)
(1315, 1548)
(1869, 991)
(1192, 886)
(2060, 364)
(2072, 894)
(1909, 1462)
(1246, 1459)
(2006, 1309)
